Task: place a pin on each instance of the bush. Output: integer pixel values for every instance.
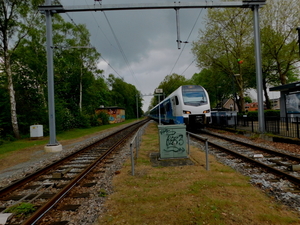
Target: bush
(104, 118)
(268, 113)
(83, 121)
(275, 113)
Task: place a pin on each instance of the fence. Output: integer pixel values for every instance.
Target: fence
(135, 146)
(283, 126)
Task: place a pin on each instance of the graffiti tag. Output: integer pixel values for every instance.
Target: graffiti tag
(174, 141)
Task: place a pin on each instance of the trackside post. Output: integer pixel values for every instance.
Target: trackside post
(135, 144)
(206, 147)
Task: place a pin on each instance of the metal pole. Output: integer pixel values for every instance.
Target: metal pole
(137, 107)
(51, 105)
(177, 26)
(206, 154)
(132, 159)
(298, 29)
(159, 109)
(261, 118)
(137, 144)
(188, 142)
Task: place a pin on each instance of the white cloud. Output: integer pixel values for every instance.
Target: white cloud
(147, 39)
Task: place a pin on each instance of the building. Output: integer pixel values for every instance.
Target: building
(289, 100)
(116, 114)
(228, 105)
(275, 103)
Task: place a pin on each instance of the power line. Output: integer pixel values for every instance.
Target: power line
(187, 42)
(120, 48)
(188, 66)
(87, 39)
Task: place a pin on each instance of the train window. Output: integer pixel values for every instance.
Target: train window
(176, 100)
(194, 96)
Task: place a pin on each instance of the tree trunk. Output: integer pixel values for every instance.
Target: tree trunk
(13, 105)
(267, 99)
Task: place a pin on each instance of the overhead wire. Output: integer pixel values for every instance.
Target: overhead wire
(216, 36)
(186, 43)
(120, 48)
(92, 45)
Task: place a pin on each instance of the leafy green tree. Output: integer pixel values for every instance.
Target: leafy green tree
(279, 20)
(248, 99)
(16, 18)
(76, 73)
(227, 45)
(125, 95)
(279, 44)
(30, 78)
(224, 46)
(168, 85)
(216, 84)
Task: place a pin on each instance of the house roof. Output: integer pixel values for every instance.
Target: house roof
(287, 87)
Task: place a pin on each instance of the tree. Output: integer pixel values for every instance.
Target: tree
(279, 20)
(224, 47)
(16, 18)
(168, 85)
(125, 95)
(227, 45)
(216, 84)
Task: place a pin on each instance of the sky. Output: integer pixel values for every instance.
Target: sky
(140, 45)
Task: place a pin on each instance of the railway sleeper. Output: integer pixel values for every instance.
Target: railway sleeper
(294, 167)
(58, 175)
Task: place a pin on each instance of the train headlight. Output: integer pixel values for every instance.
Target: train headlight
(206, 111)
(186, 112)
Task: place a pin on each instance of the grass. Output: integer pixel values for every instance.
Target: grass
(9, 147)
(22, 209)
(188, 194)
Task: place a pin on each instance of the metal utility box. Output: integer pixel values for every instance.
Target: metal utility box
(231, 118)
(36, 131)
(224, 118)
(172, 141)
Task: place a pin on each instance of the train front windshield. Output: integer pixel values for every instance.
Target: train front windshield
(193, 95)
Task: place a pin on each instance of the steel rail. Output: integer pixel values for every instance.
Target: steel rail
(280, 173)
(42, 211)
(8, 189)
(282, 154)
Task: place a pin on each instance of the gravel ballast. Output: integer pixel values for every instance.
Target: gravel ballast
(93, 206)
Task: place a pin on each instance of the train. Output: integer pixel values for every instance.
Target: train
(188, 104)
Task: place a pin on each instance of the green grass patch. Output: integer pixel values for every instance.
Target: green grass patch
(8, 147)
(188, 194)
(21, 209)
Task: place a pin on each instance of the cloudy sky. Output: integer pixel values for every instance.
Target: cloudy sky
(140, 45)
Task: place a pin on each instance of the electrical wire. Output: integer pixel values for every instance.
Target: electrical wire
(121, 49)
(216, 36)
(185, 43)
(87, 39)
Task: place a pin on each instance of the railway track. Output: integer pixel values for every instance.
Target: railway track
(281, 164)
(50, 193)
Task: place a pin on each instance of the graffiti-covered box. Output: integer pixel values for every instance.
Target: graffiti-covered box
(172, 141)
